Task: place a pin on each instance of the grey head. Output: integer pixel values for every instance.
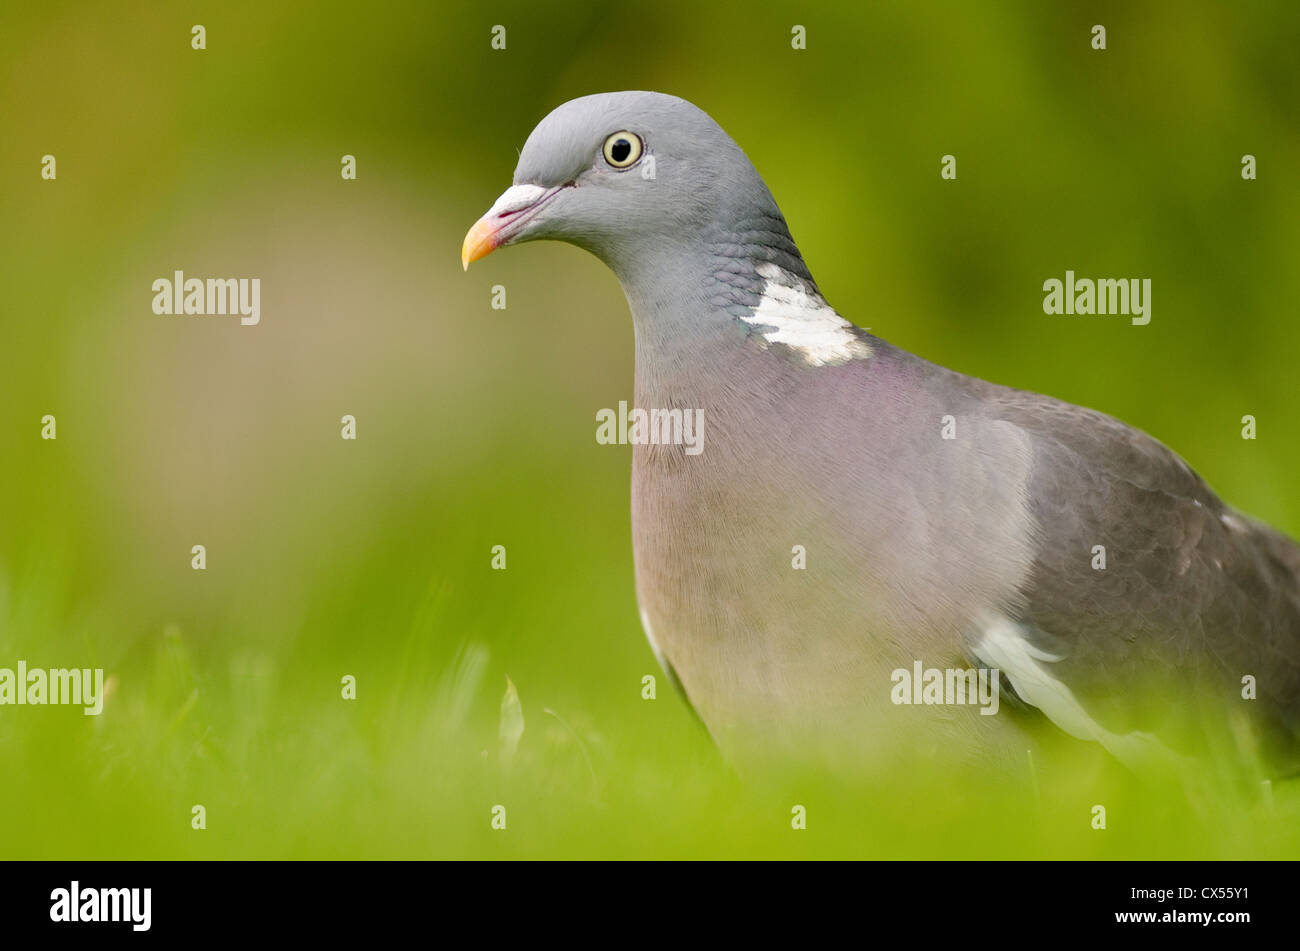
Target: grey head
(645, 181)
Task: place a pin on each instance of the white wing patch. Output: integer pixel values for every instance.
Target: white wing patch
(1005, 646)
(804, 321)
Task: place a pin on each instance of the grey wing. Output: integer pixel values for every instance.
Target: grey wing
(1193, 596)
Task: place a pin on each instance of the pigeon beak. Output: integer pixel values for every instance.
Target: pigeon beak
(504, 220)
(479, 241)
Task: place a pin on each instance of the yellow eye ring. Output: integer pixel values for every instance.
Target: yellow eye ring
(622, 149)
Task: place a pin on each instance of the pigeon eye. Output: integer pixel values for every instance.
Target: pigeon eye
(622, 149)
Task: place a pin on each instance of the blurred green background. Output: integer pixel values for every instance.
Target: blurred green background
(476, 426)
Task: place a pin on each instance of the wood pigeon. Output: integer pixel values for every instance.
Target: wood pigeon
(942, 522)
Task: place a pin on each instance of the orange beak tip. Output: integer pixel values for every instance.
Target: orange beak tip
(479, 243)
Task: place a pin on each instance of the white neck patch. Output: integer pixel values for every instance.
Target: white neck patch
(804, 321)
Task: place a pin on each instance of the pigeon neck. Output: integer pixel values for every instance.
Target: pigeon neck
(683, 294)
(738, 289)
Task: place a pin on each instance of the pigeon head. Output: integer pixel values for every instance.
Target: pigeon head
(632, 177)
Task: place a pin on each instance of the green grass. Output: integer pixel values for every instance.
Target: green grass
(260, 735)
